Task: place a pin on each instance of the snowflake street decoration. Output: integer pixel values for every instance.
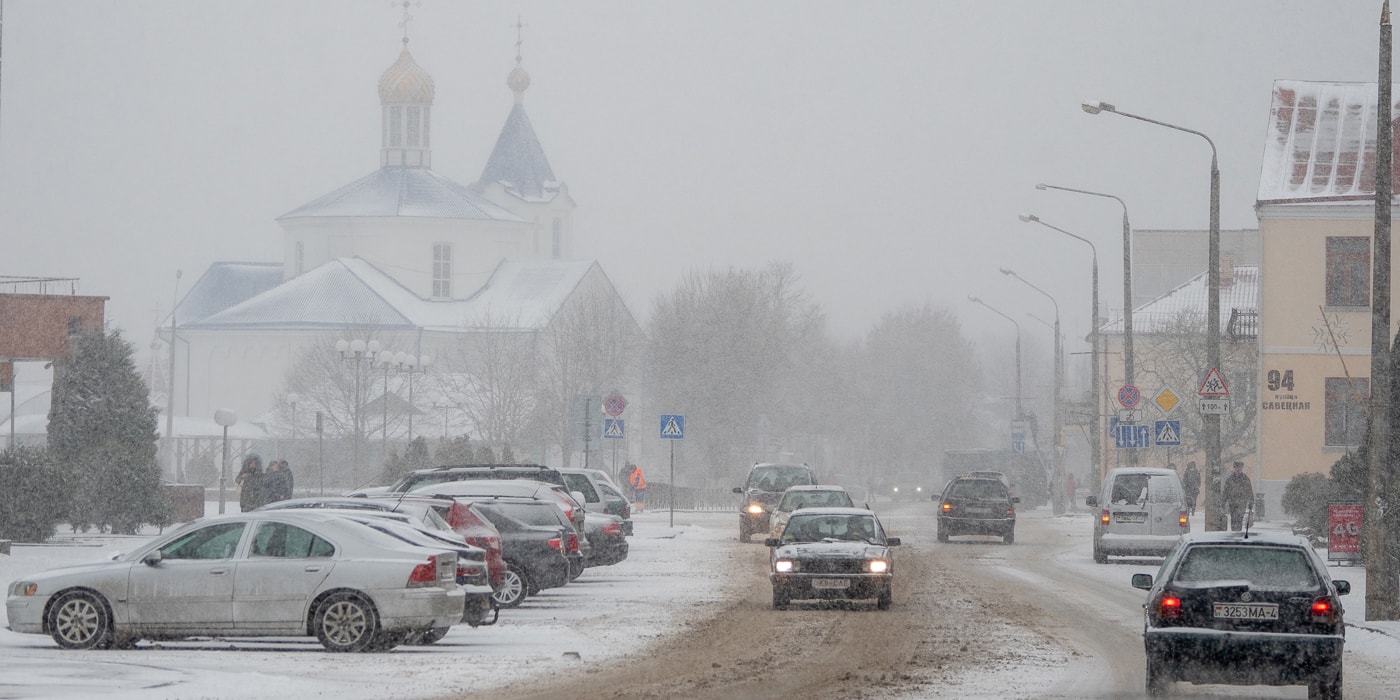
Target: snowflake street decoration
(1332, 335)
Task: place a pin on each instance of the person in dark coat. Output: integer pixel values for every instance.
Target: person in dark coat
(250, 484)
(1239, 496)
(277, 484)
(1191, 485)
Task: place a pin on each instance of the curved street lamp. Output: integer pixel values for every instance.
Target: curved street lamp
(975, 300)
(1056, 492)
(1214, 515)
(359, 355)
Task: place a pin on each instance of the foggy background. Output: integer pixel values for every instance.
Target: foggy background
(883, 148)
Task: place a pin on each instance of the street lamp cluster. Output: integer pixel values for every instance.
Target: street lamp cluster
(367, 355)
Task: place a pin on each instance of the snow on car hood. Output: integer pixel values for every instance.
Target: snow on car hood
(834, 549)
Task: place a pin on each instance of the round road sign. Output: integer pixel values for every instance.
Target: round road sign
(1129, 396)
(614, 405)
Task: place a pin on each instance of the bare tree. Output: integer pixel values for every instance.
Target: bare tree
(490, 373)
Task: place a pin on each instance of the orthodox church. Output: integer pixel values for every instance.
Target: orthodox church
(403, 256)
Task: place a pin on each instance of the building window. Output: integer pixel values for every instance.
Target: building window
(301, 257)
(1346, 411)
(1348, 271)
(558, 238)
(396, 126)
(413, 117)
(442, 270)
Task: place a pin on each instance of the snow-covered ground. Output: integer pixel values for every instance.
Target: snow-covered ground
(669, 577)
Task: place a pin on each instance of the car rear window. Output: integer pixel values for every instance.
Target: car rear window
(545, 514)
(779, 478)
(977, 488)
(1282, 568)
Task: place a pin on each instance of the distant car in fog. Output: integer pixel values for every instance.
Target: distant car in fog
(910, 486)
(763, 488)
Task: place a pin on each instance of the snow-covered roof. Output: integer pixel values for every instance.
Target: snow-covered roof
(1160, 314)
(1320, 144)
(350, 291)
(223, 285)
(399, 191)
(518, 161)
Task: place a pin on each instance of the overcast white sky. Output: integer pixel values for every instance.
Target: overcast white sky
(883, 148)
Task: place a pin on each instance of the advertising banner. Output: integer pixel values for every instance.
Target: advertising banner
(1344, 531)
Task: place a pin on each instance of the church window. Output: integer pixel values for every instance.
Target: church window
(396, 126)
(558, 238)
(442, 270)
(414, 114)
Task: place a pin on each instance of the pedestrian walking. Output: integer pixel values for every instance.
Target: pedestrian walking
(1191, 485)
(637, 484)
(251, 491)
(1239, 497)
(277, 483)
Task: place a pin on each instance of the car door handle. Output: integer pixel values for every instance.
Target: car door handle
(218, 572)
(312, 569)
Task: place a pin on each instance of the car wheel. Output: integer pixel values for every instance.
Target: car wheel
(80, 620)
(744, 531)
(1158, 683)
(1009, 537)
(347, 622)
(426, 637)
(1328, 687)
(942, 535)
(512, 590)
(780, 599)
(1099, 556)
(575, 571)
(886, 598)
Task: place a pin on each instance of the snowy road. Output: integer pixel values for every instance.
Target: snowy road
(687, 615)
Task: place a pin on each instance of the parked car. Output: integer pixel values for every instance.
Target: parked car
(1244, 608)
(614, 496)
(1142, 512)
(812, 496)
(414, 480)
(537, 556)
(607, 543)
(601, 495)
(977, 505)
(520, 488)
(262, 573)
(762, 490)
(439, 514)
(827, 553)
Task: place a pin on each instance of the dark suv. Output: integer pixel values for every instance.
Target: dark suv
(1243, 608)
(977, 505)
(762, 490)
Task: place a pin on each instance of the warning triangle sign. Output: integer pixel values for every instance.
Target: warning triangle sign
(1214, 384)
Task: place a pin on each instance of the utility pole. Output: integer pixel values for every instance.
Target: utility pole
(1381, 571)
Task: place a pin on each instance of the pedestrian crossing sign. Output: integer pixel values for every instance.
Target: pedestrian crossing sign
(613, 428)
(672, 427)
(1167, 433)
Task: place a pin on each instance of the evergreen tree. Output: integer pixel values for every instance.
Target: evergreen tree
(102, 431)
(457, 450)
(32, 498)
(416, 455)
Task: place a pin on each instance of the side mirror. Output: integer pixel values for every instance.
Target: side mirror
(772, 542)
(1343, 587)
(152, 558)
(891, 541)
(934, 497)
(1091, 501)
(1143, 581)
(1015, 499)
(738, 489)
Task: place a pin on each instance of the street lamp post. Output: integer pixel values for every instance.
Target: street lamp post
(444, 404)
(1057, 500)
(975, 300)
(358, 354)
(1128, 374)
(1214, 514)
(293, 400)
(1096, 445)
(169, 390)
(225, 418)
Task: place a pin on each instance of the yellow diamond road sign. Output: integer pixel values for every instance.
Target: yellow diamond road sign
(1167, 400)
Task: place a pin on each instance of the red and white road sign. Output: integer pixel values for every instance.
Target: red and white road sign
(1214, 384)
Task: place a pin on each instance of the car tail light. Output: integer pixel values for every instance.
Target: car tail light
(1183, 521)
(557, 543)
(612, 529)
(573, 542)
(424, 575)
(1168, 606)
(1324, 609)
(1010, 511)
(1103, 516)
(947, 507)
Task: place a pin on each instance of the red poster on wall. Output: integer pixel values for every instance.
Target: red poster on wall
(1344, 530)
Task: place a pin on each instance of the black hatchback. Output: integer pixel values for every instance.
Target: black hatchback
(1240, 608)
(977, 505)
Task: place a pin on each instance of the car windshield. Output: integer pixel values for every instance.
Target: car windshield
(986, 489)
(816, 528)
(1280, 568)
(778, 478)
(811, 499)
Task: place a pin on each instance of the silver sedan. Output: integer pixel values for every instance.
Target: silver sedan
(274, 573)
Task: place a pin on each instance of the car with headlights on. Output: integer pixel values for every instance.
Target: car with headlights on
(762, 489)
(1242, 608)
(812, 496)
(256, 574)
(832, 553)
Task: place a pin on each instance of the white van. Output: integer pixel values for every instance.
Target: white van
(1142, 512)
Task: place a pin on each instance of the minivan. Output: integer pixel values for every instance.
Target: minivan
(1142, 512)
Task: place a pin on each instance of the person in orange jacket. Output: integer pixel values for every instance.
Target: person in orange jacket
(638, 485)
